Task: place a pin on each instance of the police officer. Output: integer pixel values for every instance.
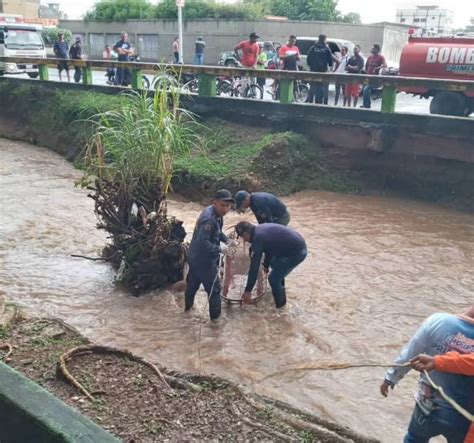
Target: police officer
(204, 251)
(266, 207)
(284, 250)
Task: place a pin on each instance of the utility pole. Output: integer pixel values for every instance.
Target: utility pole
(180, 5)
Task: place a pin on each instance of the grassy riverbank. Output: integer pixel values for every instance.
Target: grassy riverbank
(230, 155)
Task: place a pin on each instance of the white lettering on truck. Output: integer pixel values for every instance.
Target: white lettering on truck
(446, 54)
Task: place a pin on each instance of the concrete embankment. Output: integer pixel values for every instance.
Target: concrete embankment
(282, 148)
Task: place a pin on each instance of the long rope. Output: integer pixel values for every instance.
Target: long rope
(201, 319)
(452, 402)
(335, 367)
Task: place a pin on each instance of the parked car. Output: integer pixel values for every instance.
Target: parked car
(305, 43)
(228, 58)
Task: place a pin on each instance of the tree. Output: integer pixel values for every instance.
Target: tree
(323, 10)
(50, 35)
(352, 17)
(119, 10)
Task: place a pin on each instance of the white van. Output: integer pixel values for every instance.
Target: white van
(305, 43)
(19, 40)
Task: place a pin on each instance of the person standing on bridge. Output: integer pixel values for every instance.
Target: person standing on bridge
(250, 51)
(341, 69)
(61, 51)
(266, 207)
(76, 54)
(354, 65)
(199, 47)
(284, 250)
(319, 59)
(433, 415)
(124, 50)
(374, 64)
(175, 49)
(204, 253)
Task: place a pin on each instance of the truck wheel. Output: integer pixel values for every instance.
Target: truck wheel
(449, 103)
(33, 74)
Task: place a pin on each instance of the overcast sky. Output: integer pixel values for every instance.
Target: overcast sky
(370, 10)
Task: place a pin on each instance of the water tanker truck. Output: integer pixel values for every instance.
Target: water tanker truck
(441, 58)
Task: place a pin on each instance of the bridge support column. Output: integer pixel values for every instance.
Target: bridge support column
(286, 91)
(207, 85)
(43, 72)
(389, 98)
(87, 75)
(137, 79)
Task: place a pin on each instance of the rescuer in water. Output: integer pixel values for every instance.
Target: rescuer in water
(284, 250)
(204, 251)
(266, 207)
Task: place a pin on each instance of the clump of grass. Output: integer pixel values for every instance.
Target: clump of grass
(129, 163)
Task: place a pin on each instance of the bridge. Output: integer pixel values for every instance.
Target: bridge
(208, 75)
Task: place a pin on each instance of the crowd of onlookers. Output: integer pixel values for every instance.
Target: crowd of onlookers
(320, 58)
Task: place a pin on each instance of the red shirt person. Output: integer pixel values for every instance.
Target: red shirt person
(250, 51)
(373, 65)
(290, 54)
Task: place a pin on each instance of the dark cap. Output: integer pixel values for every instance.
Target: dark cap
(254, 35)
(78, 39)
(239, 198)
(224, 195)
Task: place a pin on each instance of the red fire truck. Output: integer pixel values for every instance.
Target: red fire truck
(441, 58)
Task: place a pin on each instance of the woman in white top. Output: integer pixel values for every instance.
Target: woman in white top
(341, 69)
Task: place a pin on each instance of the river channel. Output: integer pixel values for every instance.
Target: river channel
(376, 268)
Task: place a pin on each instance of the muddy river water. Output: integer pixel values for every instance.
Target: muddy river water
(376, 268)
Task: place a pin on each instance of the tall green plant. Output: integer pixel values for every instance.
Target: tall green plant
(129, 166)
(135, 145)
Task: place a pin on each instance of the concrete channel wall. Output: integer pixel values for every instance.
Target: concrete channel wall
(153, 39)
(28, 413)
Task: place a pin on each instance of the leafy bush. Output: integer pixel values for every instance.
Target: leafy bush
(50, 35)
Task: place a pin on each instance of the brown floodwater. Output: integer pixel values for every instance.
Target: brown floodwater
(376, 268)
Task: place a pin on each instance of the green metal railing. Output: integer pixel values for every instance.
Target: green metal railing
(208, 76)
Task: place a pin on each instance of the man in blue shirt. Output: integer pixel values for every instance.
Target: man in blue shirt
(61, 50)
(433, 415)
(284, 250)
(124, 50)
(204, 252)
(266, 207)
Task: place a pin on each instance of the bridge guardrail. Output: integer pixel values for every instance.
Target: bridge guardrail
(208, 75)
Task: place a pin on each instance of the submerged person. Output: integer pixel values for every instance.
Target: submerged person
(266, 207)
(204, 252)
(433, 415)
(284, 250)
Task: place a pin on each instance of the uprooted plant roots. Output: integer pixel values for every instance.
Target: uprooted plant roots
(147, 246)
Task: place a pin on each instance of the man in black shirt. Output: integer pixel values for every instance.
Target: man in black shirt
(75, 53)
(319, 60)
(124, 50)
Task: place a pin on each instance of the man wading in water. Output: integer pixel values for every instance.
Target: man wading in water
(284, 250)
(266, 207)
(204, 252)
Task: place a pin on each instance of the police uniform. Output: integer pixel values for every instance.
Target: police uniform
(203, 260)
(266, 207)
(284, 250)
